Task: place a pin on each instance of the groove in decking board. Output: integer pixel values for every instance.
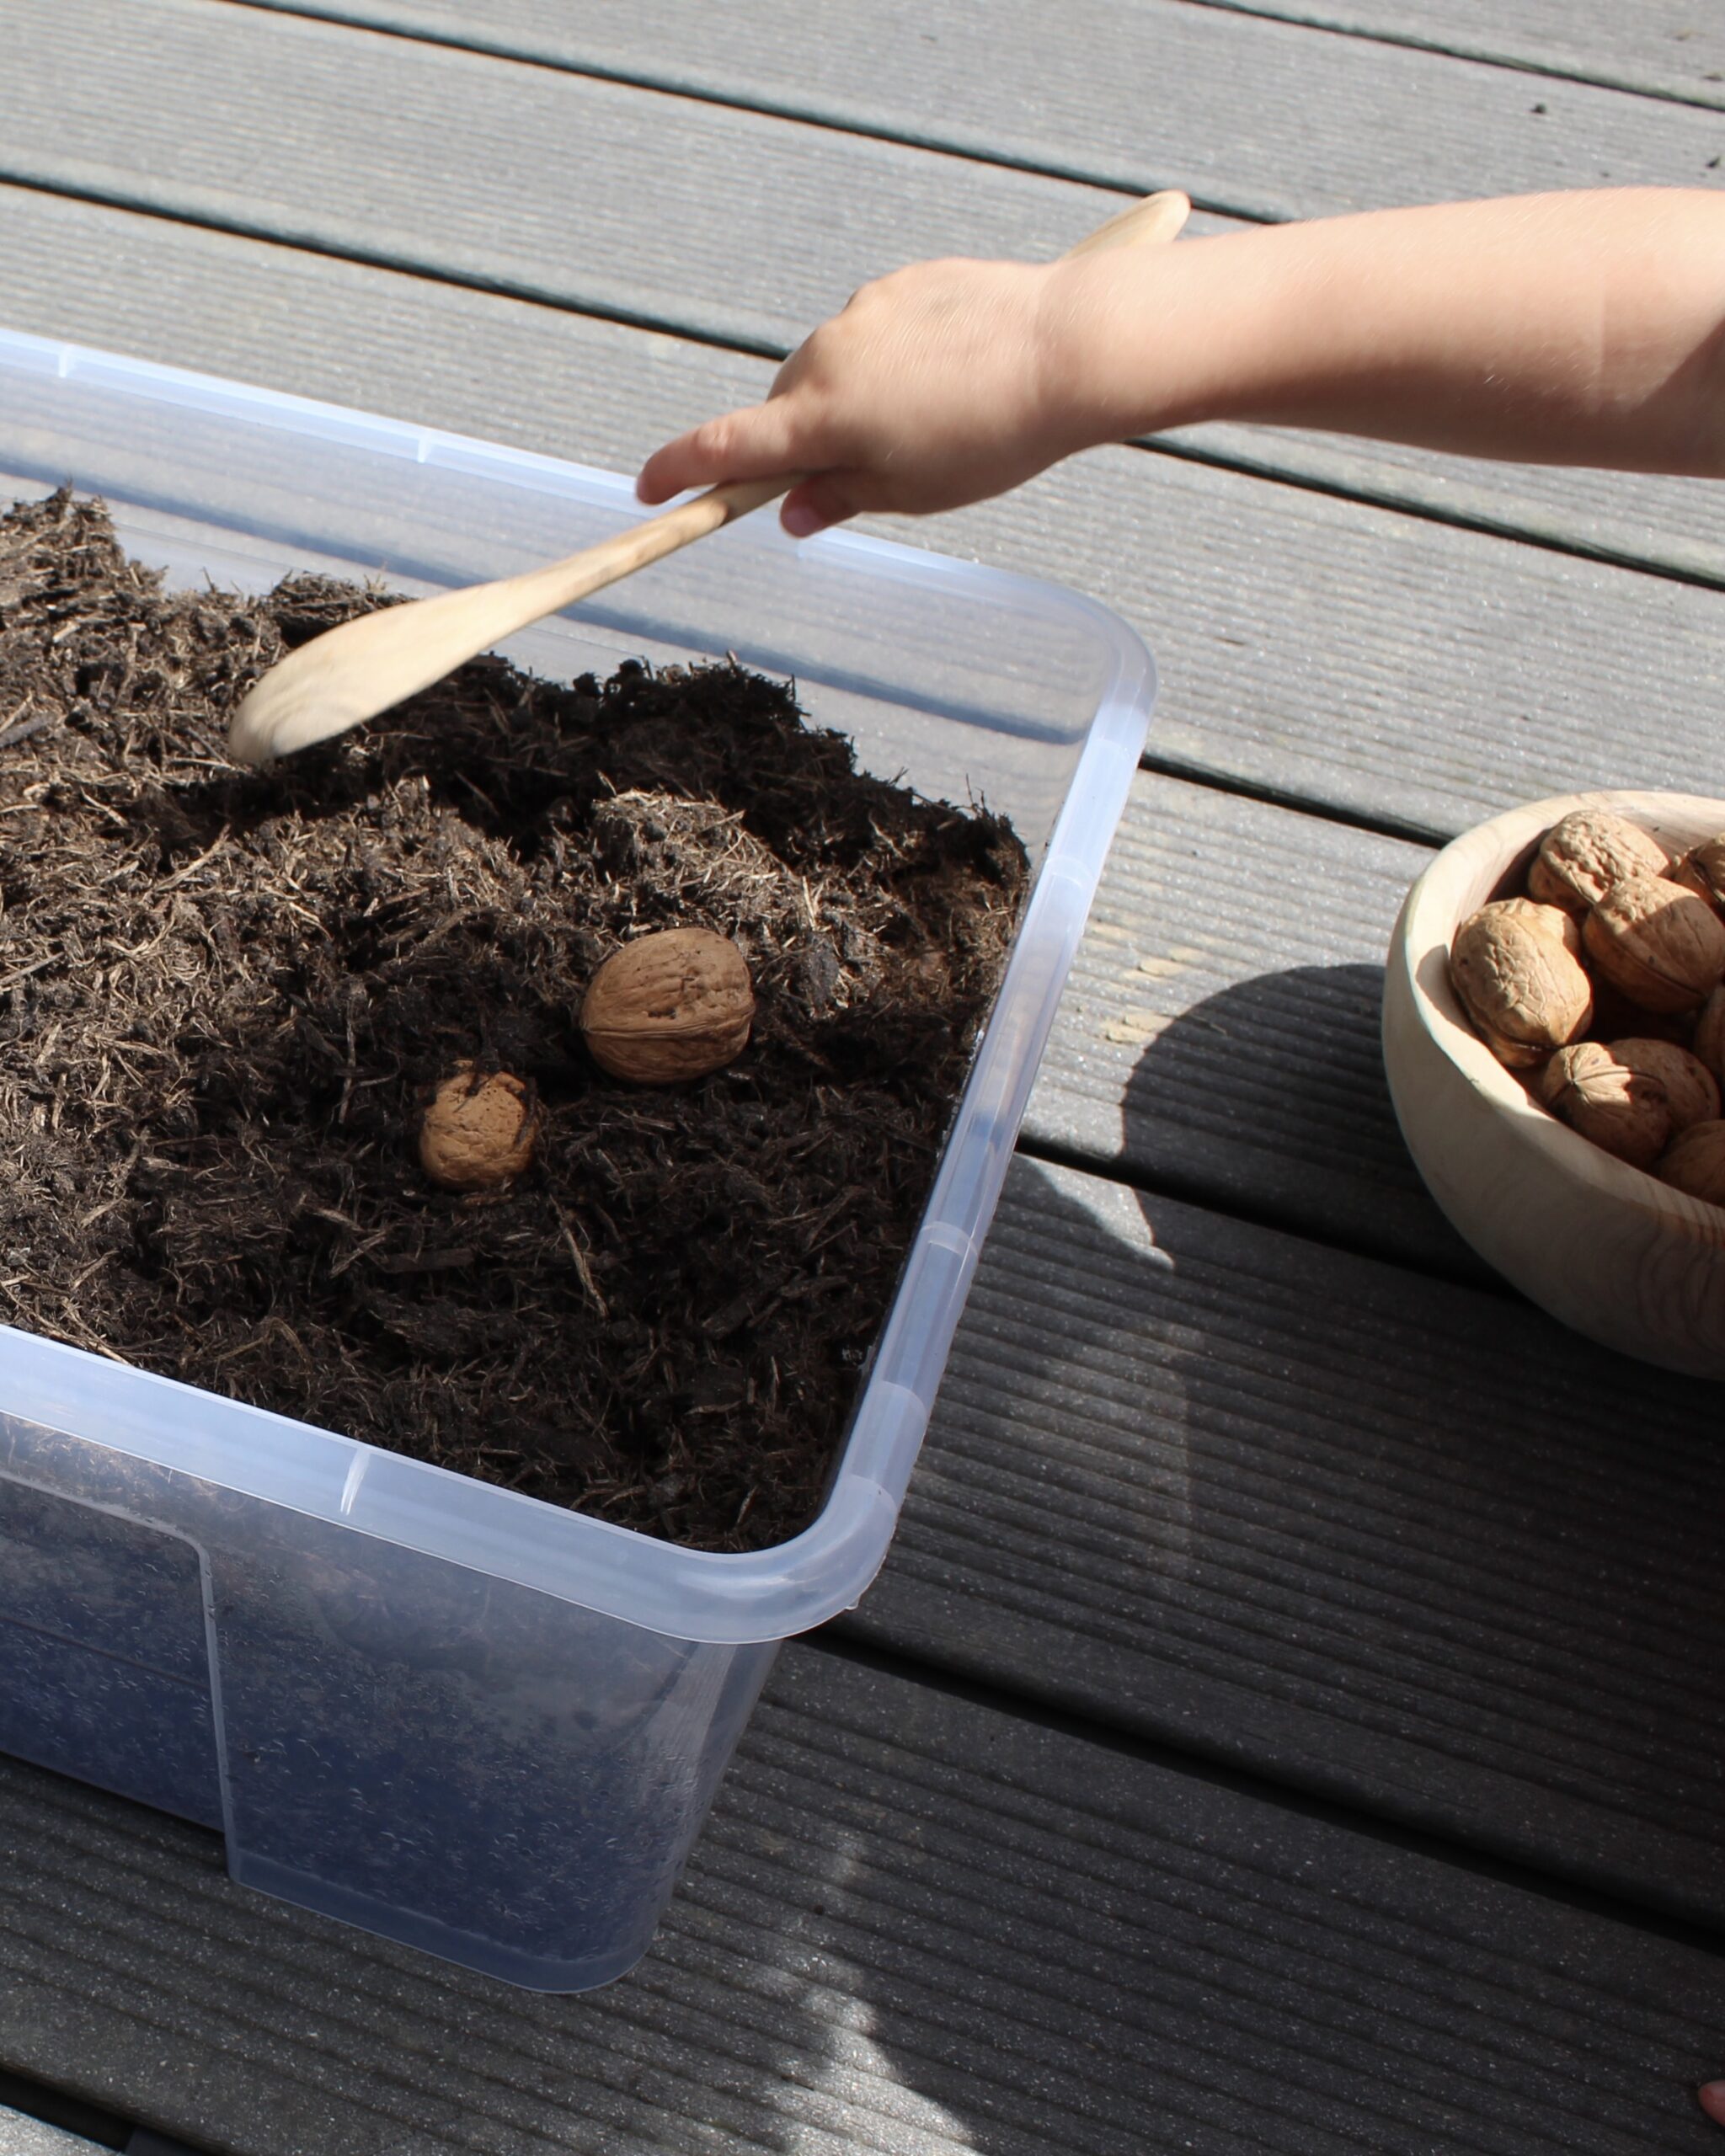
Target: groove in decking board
(1399, 1542)
(1317, 648)
(1147, 95)
(1659, 48)
(1670, 526)
(915, 1925)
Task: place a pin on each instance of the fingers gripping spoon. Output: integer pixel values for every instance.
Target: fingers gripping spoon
(352, 673)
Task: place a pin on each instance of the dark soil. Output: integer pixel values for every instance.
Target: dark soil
(224, 995)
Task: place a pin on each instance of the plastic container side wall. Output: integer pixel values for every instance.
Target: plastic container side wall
(470, 1767)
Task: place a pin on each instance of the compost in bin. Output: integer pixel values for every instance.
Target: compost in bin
(231, 996)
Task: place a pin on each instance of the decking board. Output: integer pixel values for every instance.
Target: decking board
(1671, 527)
(512, 177)
(1403, 1542)
(916, 1925)
(1660, 48)
(1220, 1039)
(1139, 96)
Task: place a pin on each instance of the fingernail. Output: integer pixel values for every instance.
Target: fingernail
(802, 521)
(1711, 2097)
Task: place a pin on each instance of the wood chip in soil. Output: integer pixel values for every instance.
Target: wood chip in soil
(225, 995)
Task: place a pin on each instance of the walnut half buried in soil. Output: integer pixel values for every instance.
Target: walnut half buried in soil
(669, 1006)
(479, 1133)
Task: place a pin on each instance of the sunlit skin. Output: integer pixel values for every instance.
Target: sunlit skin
(1580, 329)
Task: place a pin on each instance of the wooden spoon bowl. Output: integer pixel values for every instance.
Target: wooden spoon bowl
(1609, 1249)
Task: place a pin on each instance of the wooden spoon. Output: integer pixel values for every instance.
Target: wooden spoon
(352, 673)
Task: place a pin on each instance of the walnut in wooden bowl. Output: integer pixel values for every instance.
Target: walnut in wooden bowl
(1603, 1245)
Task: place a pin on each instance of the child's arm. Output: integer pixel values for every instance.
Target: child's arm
(1585, 328)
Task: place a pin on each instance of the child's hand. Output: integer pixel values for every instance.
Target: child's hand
(933, 387)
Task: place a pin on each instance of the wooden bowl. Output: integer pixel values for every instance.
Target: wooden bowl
(1605, 1247)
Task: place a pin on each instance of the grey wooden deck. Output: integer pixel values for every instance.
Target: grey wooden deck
(1290, 1718)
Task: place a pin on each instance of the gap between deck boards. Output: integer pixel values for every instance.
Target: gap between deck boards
(848, 1639)
(1285, 1221)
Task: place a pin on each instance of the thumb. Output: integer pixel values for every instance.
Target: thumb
(815, 504)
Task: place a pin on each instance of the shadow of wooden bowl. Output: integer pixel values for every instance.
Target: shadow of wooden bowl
(1603, 1246)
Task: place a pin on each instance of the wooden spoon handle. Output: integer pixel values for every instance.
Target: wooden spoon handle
(353, 672)
(650, 540)
(1148, 223)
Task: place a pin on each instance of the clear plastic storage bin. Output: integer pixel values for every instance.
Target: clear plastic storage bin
(457, 1716)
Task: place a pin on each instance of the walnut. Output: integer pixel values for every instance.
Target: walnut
(1696, 1162)
(1709, 1042)
(480, 1130)
(1702, 870)
(672, 1005)
(1552, 919)
(1691, 1091)
(1582, 855)
(1663, 946)
(1545, 888)
(1520, 985)
(1622, 1110)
